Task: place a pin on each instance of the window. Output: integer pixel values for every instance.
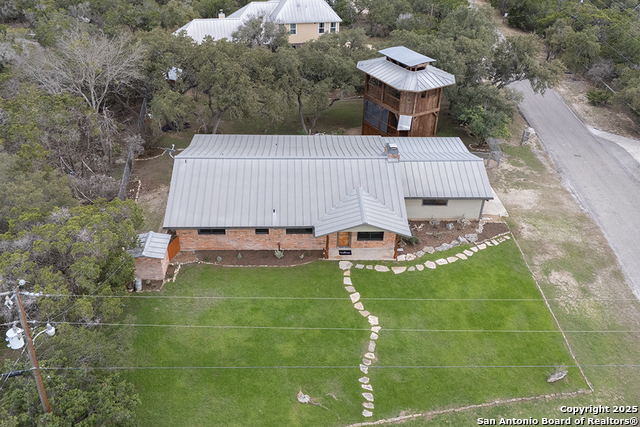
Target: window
(434, 202)
(209, 231)
(376, 236)
(299, 230)
(375, 115)
(321, 28)
(262, 231)
(293, 29)
(333, 27)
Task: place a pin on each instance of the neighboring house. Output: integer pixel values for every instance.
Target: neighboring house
(402, 93)
(351, 196)
(304, 19)
(152, 256)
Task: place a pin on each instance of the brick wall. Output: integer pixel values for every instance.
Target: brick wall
(247, 239)
(151, 268)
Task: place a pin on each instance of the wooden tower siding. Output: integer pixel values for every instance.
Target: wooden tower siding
(423, 107)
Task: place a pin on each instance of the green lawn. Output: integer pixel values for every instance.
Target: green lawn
(324, 361)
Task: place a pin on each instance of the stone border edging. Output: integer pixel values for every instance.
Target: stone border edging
(465, 408)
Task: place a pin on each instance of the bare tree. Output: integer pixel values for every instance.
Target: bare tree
(92, 66)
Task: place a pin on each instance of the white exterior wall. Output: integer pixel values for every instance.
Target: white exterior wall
(470, 208)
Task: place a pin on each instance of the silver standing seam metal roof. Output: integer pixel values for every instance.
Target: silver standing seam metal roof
(330, 183)
(280, 11)
(406, 80)
(152, 245)
(406, 56)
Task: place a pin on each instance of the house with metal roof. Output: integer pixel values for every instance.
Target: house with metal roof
(402, 93)
(351, 196)
(304, 19)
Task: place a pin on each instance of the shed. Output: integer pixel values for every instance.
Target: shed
(152, 256)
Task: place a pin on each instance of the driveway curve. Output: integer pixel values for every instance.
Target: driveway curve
(604, 178)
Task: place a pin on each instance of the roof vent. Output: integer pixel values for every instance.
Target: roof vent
(393, 154)
(221, 14)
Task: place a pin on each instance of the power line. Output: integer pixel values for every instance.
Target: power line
(346, 329)
(339, 367)
(326, 298)
(13, 367)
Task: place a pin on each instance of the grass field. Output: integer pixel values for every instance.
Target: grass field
(270, 298)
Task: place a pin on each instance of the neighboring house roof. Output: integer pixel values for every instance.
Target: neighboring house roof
(304, 12)
(152, 245)
(330, 183)
(406, 56)
(280, 11)
(218, 29)
(406, 80)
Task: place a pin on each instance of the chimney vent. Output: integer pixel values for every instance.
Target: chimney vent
(221, 14)
(393, 154)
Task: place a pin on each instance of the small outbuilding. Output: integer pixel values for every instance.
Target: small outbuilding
(152, 256)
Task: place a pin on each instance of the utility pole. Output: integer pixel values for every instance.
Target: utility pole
(32, 356)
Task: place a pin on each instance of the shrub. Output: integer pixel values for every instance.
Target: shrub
(278, 254)
(598, 97)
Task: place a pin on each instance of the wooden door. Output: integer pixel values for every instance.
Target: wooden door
(344, 239)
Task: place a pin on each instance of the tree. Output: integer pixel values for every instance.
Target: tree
(581, 50)
(91, 66)
(224, 73)
(81, 396)
(28, 183)
(261, 31)
(72, 251)
(311, 73)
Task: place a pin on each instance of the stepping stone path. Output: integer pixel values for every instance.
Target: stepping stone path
(370, 357)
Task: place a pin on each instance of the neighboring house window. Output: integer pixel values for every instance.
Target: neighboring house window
(321, 28)
(333, 27)
(299, 230)
(293, 28)
(377, 236)
(212, 231)
(262, 231)
(434, 202)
